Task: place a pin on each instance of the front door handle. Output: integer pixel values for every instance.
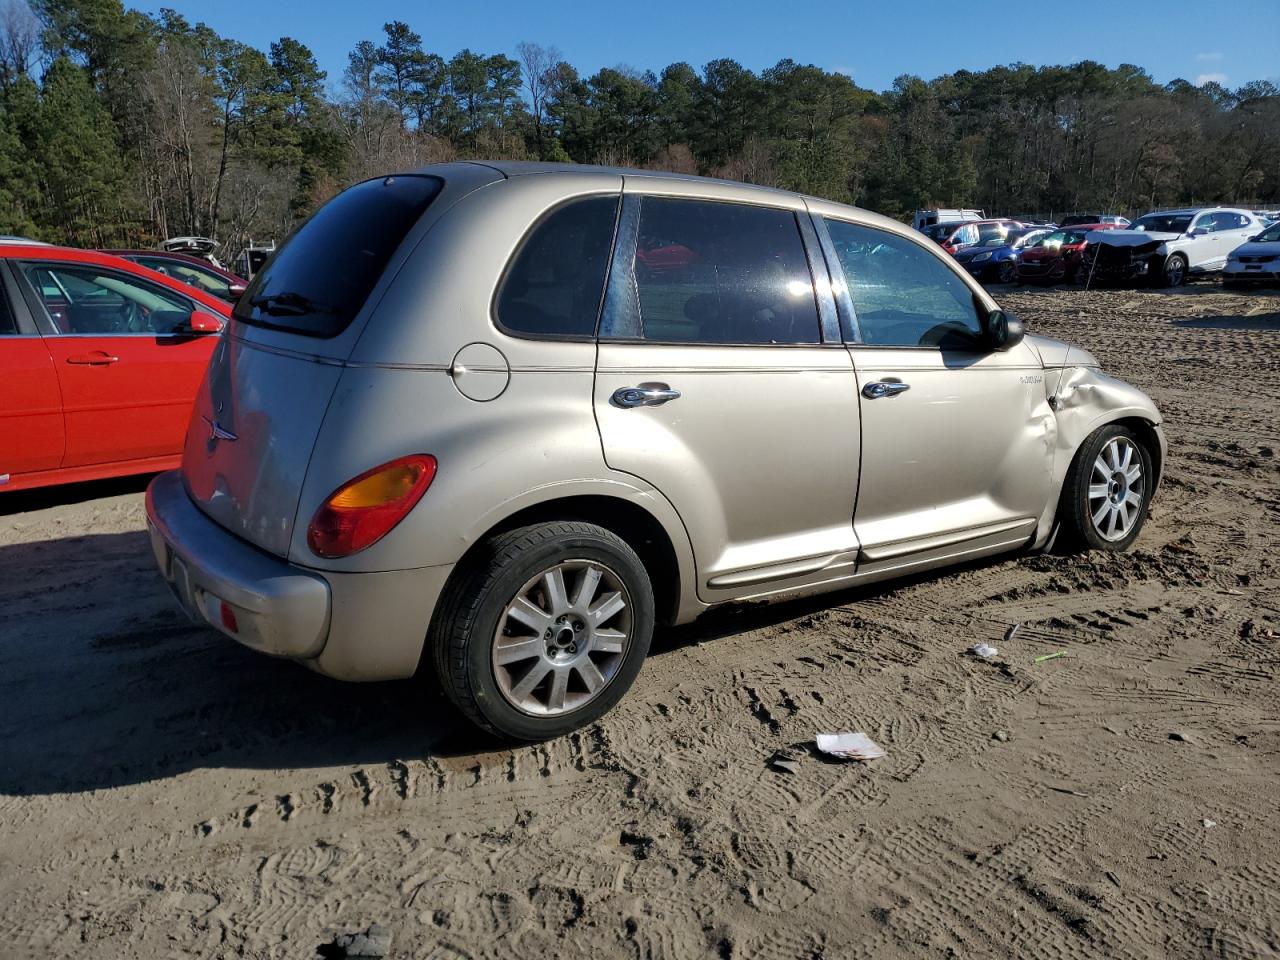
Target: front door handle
(98, 358)
(644, 395)
(884, 388)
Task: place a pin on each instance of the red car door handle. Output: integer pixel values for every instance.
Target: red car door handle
(96, 358)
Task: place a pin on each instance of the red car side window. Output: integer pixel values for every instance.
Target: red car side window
(86, 299)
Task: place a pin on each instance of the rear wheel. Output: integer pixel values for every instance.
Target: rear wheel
(544, 630)
(1107, 491)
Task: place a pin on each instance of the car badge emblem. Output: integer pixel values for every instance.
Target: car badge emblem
(217, 431)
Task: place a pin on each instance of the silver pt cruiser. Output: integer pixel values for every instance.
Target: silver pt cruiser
(503, 419)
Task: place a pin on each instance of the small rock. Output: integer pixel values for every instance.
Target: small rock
(1001, 735)
(1180, 737)
(373, 942)
(788, 761)
(1209, 824)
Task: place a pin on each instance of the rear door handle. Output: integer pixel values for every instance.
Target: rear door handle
(884, 388)
(644, 395)
(98, 358)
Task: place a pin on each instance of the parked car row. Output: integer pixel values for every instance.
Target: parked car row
(1163, 247)
(100, 358)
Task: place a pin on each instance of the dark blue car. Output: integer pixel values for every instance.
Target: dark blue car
(997, 259)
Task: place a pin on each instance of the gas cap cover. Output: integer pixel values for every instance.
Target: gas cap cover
(480, 372)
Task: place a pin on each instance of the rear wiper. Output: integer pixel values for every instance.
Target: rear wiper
(288, 304)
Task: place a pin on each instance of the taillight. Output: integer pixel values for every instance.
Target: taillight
(364, 510)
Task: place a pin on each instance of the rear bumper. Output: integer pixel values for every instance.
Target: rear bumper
(352, 626)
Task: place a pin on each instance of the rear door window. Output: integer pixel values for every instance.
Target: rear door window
(554, 285)
(710, 272)
(319, 279)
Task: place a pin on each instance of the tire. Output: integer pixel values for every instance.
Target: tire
(473, 630)
(1007, 271)
(1173, 272)
(1087, 489)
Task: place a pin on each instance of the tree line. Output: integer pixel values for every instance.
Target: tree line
(121, 128)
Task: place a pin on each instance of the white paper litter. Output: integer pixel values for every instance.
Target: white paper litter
(984, 650)
(851, 746)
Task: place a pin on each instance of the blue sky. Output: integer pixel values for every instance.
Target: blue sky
(1233, 41)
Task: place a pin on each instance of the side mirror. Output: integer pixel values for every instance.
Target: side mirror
(1004, 330)
(236, 289)
(1194, 233)
(205, 322)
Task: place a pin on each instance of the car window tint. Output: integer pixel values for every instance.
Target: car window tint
(190, 274)
(8, 324)
(85, 299)
(904, 295)
(711, 272)
(317, 282)
(554, 285)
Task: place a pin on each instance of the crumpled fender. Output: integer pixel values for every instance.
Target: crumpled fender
(1084, 399)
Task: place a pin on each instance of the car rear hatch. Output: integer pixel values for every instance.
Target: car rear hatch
(263, 401)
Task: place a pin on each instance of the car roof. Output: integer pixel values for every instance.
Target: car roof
(708, 186)
(1192, 211)
(46, 251)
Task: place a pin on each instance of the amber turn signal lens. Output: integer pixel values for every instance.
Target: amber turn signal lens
(364, 510)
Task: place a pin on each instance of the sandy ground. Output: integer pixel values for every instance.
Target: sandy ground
(164, 793)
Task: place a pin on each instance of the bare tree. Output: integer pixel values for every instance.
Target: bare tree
(538, 64)
(19, 40)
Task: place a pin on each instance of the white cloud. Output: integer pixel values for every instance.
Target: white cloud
(1206, 57)
(1210, 78)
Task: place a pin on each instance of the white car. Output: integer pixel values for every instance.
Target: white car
(1168, 245)
(1255, 262)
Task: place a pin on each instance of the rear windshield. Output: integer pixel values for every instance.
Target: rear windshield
(318, 281)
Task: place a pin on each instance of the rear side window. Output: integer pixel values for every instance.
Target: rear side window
(711, 272)
(318, 281)
(554, 285)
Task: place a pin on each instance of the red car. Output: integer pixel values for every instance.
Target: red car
(192, 271)
(100, 360)
(1056, 256)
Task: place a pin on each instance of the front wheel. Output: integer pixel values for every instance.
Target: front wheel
(1107, 491)
(1174, 271)
(1007, 271)
(544, 630)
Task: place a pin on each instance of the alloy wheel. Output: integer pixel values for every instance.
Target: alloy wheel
(1116, 489)
(562, 638)
(1174, 271)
